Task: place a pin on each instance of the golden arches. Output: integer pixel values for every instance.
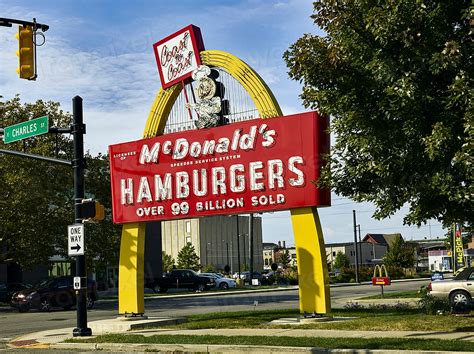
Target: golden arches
(312, 268)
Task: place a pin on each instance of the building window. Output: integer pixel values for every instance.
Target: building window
(188, 226)
(188, 239)
(334, 253)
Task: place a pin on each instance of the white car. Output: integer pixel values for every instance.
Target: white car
(221, 282)
(458, 290)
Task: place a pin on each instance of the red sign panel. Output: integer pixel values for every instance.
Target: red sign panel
(252, 166)
(178, 55)
(381, 281)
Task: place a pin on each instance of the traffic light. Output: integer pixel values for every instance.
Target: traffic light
(91, 210)
(26, 53)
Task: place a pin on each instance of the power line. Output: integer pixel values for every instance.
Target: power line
(400, 227)
(345, 213)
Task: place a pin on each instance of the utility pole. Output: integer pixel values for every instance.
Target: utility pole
(78, 131)
(250, 248)
(355, 247)
(238, 244)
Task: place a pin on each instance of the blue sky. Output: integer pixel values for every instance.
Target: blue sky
(102, 51)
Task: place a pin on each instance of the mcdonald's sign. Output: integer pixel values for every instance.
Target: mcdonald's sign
(380, 279)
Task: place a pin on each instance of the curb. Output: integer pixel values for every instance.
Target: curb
(205, 348)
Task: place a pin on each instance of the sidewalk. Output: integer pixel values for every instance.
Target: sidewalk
(53, 339)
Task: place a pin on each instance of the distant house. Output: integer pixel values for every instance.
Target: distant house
(272, 253)
(269, 249)
(369, 253)
(381, 239)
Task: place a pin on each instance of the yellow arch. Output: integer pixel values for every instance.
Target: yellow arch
(310, 250)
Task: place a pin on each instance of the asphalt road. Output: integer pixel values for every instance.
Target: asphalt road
(13, 324)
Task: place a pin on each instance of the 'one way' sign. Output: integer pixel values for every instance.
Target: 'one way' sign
(75, 240)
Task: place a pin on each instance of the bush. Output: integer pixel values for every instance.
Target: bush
(366, 273)
(395, 272)
(345, 276)
(432, 305)
(290, 276)
(208, 268)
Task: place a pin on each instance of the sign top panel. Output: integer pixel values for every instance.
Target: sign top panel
(251, 166)
(28, 129)
(178, 55)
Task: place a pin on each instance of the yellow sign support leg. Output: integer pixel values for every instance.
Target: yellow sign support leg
(131, 269)
(311, 257)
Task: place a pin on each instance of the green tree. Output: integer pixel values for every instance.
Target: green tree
(396, 79)
(285, 259)
(399, 254)
(187, 258)
(466, 237)
(341, 261)
(36, 197)
(167, 261)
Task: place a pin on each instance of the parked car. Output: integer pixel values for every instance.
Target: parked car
(54, 292)
(245, 275)
(180, 279)
(459, 290)
(7, 290)
(221, 281)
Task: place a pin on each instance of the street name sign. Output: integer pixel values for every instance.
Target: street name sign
(28, 129)
(75, 240)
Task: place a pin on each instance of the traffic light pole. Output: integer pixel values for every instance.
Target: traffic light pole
(8, 22)
(78, 131)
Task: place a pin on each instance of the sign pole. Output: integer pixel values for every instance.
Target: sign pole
(453, 246)
(78, 131)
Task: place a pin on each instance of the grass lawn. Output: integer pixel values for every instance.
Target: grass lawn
(366, 320)
(398, 295)
(330, 343)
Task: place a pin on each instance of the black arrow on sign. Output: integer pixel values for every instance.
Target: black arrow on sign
(76, 247)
